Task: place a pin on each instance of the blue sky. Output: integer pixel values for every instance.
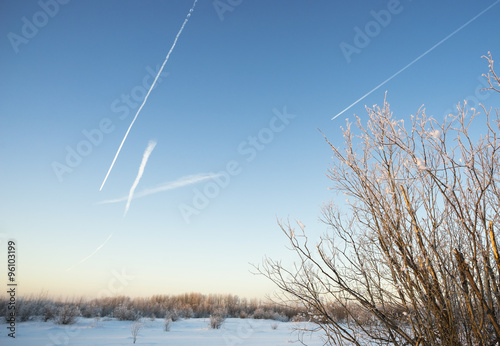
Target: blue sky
(75, 67)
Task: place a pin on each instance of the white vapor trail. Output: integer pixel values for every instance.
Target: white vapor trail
(150, 88)
(184, 181)
(145, 157)
(420, 56)
(92, 254)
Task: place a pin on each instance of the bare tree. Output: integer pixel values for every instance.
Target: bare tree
(412, 255)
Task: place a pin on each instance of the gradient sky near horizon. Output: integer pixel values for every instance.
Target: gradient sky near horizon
(81, 69)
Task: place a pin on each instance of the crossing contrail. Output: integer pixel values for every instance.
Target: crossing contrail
(420, 56)
(145, 157)
(150, 88)
(181, 182)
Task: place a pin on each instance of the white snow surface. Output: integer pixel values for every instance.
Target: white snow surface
(187, 332)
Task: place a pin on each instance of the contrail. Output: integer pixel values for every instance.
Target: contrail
(150, 88)
(184, 181)
(145, 157)
(420, 56)
(92, 254)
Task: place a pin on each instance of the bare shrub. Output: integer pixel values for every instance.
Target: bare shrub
(412, 256)
(299, 318)
(96, 322)
(67, 314)
(28, 308)
(123, 313)
(108, 305)
(90, 310)
(167, 324)
(217, 319)
(262, 314)
(173, 315)
(279, 317)
(186, 312)
(49, 311)
(135, 328)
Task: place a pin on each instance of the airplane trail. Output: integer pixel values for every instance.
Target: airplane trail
(419, 57)
(183, 181)
(92, 254)
(151, 88)
(145, 157)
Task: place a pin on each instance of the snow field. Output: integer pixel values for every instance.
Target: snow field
(188, 332)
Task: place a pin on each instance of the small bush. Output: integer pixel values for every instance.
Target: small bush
(67, 314)
(167, 324)
(123, 313)
(217, 319)
(187, 312)
(96, 321)
(134, 329)
(27, 309)
(279, 317)
(173, 315)
(262, 314)
(90, 310)
(49, 312)
(299, 318)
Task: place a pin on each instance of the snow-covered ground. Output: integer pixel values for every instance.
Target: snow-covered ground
(189, 332)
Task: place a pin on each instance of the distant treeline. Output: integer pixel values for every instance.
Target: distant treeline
(188, 305)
